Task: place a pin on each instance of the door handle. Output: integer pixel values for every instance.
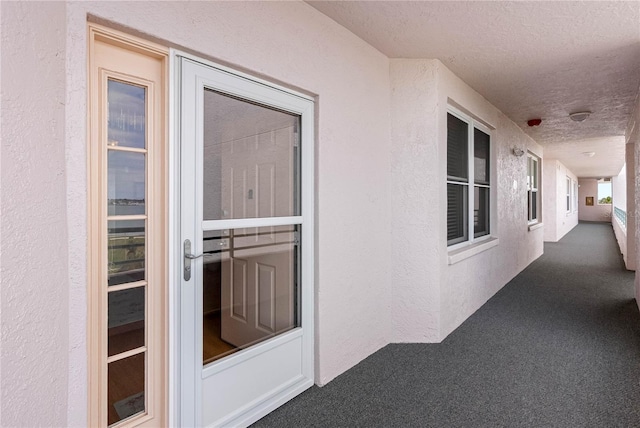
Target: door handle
(188, 257)
(193, 256)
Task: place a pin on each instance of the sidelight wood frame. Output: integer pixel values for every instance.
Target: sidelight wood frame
(101, 66)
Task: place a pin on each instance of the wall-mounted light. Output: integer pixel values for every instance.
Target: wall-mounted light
(579, 116)
(517, 151)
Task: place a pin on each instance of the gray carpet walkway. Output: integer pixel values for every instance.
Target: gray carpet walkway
(559, 346)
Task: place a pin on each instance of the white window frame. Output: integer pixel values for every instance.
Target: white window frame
(603, 180)
(471, 181)
(530, 220)
(575, 196)
(568, 198)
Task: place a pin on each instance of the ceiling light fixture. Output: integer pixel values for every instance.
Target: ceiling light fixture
(579, 116)
(589, 154)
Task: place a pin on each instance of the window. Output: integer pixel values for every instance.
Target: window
(468, 179)
(575, 196)
(568, 194)
(604, 191)
(533, 194)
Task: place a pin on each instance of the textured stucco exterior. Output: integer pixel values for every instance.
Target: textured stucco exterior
(633, 195)
(33, 217)
(415, 196)
(597, 212)
(629, 201)
(624, 186)
(557, 221)
(619, 189)
(434, 297)
(44, 350)
(467, 285)
(382, 272)
(293, 44)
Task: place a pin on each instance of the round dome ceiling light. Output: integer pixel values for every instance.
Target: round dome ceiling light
(579, 116)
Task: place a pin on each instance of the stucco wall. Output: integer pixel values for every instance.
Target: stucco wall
(549, 200)
(382, 272)
(33, 217)
(633, 194)
(43, 176)
(416, 212)
(631, 207)
(557, 221)
(597, 212)
(619, 185)
(434, 296)
(294, 44)
(467, 285)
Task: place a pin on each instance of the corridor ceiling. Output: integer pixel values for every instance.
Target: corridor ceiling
(531, 59)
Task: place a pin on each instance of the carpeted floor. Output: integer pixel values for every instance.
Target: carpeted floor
(559, 346)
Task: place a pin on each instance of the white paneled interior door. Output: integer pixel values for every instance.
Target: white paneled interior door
(246, 227)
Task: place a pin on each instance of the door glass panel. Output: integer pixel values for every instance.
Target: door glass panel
(126, 190)
(126, 320)
(127, 114)
(126, 388)
(249, 288)
(126, 251)
(250, 160)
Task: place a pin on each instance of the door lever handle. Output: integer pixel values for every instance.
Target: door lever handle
(193, 256)
(188, 257)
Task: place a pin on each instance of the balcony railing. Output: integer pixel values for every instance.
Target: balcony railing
(621, 215)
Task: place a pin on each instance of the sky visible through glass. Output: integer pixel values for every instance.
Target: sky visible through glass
(604, 190)
(127, 128)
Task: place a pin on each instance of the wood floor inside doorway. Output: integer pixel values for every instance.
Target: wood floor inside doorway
(213, 347)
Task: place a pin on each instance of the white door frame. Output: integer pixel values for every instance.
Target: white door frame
(179, 413)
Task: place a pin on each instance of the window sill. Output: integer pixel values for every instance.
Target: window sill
(535, 226)
(460, 254)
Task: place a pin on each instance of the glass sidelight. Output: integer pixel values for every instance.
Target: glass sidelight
(127, 218)
(128, 229)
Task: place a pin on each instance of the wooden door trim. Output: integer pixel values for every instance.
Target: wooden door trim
(157, 228)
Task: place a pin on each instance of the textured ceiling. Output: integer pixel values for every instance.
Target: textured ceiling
(531, 59)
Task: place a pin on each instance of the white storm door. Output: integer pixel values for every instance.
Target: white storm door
(246, 230)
